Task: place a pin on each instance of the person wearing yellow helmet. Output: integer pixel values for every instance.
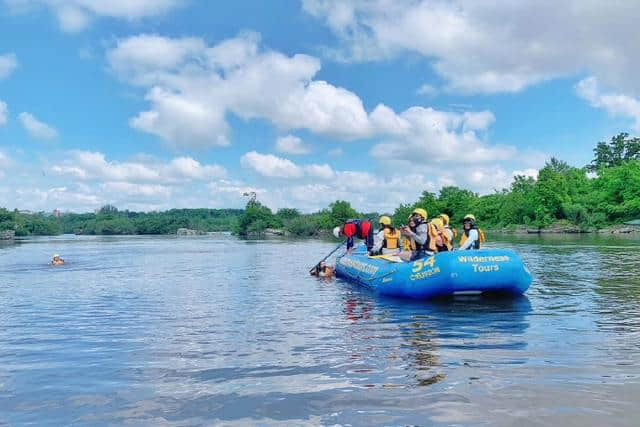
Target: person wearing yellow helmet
(438, 239)
(472, 236)
(387, 241)
(450, 232)
(418, 235)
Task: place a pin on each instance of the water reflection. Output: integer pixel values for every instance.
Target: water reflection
(430, 331)
(219, 331)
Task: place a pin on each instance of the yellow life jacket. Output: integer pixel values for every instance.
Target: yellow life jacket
(408, 244)
(433, 236)
(391, 238)
(481, 238)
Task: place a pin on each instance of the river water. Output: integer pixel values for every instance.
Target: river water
(214, 330)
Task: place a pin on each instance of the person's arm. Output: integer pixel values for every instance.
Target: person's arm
(422, 234)
(473, 236)
(379, 239)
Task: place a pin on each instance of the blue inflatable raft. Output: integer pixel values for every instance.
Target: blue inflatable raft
(446, 273)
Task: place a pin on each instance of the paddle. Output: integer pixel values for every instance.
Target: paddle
(316, 267)
(387, 257)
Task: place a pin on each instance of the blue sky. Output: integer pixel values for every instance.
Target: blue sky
(156, 104)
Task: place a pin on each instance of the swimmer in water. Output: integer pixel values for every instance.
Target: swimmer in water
(56, 260)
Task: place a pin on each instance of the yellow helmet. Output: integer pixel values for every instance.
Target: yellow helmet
(470, 217)
(445, 218)
(437, 222)
(421, 212)
(385, 220)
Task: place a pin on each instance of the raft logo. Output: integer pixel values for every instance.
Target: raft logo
(420, 265)
(426, 273)
(360, 266)
(476, 259)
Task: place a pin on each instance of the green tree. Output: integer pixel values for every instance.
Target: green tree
(341, 211)
(256, 219)
(620, 149)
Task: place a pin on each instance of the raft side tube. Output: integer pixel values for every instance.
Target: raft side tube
(446, 273)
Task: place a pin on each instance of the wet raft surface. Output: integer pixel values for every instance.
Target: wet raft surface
(198, 331)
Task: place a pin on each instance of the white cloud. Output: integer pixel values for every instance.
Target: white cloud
(35, 128)
(498, 46)
(614, 104)
(192, 169)
(323, 171)
(4, 164)
(431, 138)
(271, 166)
(191, 87)
(291, 144)
(4, 110)
(76, 15)
(93, 166)
(427, 90)
(531, 173)
(8, 63)
(132, 189)
(336, 152)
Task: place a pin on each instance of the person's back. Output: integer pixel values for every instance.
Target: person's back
(353, 228)
(387, 240)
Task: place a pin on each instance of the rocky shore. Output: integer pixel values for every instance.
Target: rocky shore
(7, 235)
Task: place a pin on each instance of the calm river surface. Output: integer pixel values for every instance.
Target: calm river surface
(214, 330)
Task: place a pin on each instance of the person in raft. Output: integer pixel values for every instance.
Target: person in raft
(56, 260)
(417, 233)
(450, 232)
(472, 236)
(360, 228)
(387, 241)
(437, 232)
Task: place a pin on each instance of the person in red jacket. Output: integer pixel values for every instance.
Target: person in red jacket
(360, 228)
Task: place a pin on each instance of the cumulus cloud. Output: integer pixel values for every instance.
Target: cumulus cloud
(93, 166)
(498, 46)
(428, 137)
(323, 171)
(271, 166)
(427, 90)
(35, 128)
(76, 15)
(8, 63)
(530, 173)
(291, 144)
(614, 104)
(192, 86)
(4, 111)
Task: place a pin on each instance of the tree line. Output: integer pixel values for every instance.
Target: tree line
(602, 193)
(108, 220)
